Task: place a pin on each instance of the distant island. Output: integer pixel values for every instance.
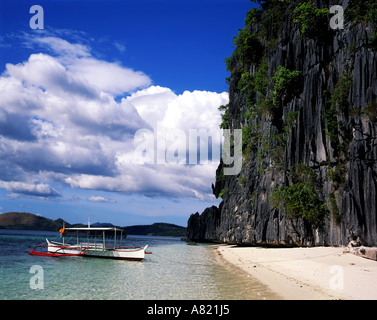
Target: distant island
(29, 221)
(157, 229)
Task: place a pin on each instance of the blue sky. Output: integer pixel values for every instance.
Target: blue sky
(74, 94)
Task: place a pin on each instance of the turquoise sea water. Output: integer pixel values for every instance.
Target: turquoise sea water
(175, 270)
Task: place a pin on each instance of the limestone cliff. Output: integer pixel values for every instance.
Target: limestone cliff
(305, 97)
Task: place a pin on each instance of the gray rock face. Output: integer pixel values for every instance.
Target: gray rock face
(345, 162)
(204, 227)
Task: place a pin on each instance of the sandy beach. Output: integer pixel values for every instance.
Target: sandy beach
(318, 273)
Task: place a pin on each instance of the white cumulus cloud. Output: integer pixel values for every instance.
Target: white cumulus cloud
(60, 122)
(99, 199)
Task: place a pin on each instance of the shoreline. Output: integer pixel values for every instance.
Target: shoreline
(316, 273)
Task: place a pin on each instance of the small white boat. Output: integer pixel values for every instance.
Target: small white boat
(95, 245)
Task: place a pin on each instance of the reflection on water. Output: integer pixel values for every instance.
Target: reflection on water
(174, 271)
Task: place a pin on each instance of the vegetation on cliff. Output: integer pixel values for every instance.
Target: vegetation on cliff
(305, 98)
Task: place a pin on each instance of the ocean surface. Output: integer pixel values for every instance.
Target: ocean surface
(175, 270)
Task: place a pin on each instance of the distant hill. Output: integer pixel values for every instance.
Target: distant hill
(157, 229)
(29, 221)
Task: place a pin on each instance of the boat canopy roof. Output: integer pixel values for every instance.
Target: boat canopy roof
(108, 232)
(94, 229)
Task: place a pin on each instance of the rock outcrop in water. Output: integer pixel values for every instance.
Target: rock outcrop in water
(305, 97)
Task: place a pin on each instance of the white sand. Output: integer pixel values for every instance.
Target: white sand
(307, 273)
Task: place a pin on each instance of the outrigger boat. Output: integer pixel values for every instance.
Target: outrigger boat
(94, 246)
